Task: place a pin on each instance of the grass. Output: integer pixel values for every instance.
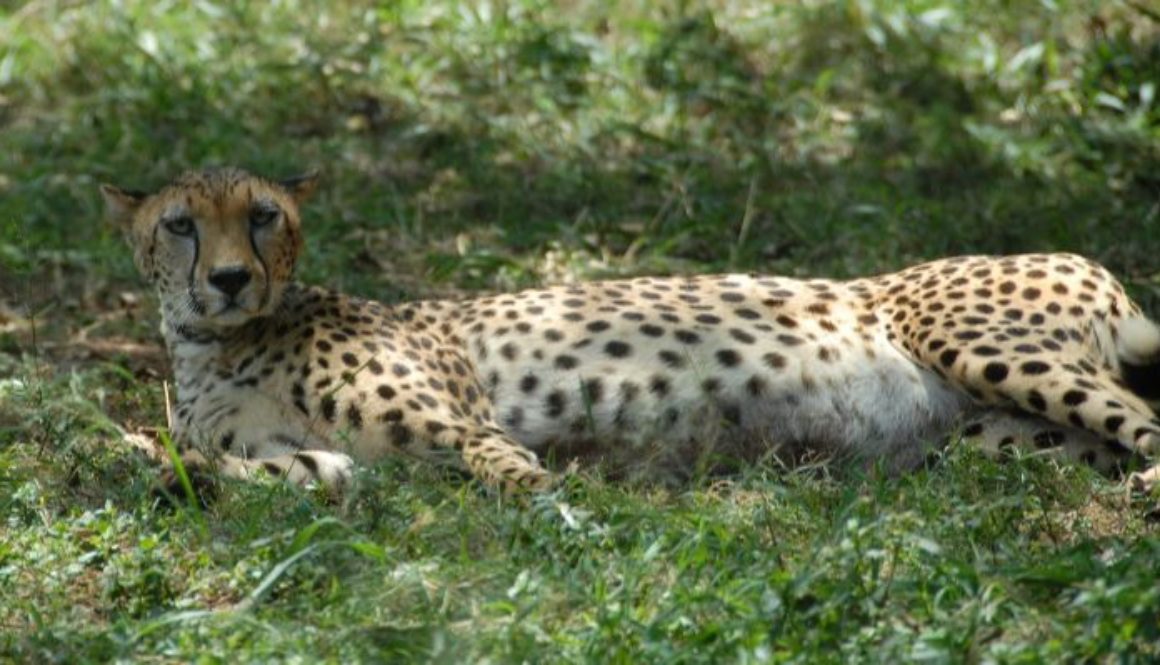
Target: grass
(485, 146)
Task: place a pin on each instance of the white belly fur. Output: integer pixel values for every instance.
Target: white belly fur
(872, 406)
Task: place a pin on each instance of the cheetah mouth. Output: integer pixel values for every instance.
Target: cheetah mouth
(230, 318)
(234, 311)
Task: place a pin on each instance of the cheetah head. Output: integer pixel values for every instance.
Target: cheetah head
(219, 245)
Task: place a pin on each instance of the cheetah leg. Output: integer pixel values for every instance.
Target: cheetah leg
(502, 462)
(497, 459)
(996, 432)
(1145, 481)
(329, 469)
(1095, 404)
(1071, 396)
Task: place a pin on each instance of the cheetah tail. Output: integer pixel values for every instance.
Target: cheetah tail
(1138, 348)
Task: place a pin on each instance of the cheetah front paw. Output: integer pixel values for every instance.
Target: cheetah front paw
(1145, 481)
(1148, 444)
(537, 480)
(333, 470)
(533, 479)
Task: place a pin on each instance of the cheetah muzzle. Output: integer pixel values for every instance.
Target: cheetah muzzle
(1043, 352)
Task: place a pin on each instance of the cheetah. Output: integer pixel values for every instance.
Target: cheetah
(1038, 351)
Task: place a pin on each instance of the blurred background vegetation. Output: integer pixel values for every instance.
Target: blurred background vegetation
(501, 144)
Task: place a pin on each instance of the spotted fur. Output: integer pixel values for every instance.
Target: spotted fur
(1044, 352)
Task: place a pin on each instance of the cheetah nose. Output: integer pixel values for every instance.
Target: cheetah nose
(230, 280)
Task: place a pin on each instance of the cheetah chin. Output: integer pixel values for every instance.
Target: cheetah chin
(1043, 352)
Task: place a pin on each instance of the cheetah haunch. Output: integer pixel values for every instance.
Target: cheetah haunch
(1039, 351)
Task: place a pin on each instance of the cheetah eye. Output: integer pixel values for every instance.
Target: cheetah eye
(179, 226)
(261, 216)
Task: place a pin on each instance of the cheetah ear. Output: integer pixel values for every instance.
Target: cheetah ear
(300, 187)
(121, 204)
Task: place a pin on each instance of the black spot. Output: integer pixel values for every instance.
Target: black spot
(529, 383)
(728, 357)
(1113, 423)
(1074, 397)
(1036, 401)
(329, 408)
(711, 385)
(386, 392)
(985, 351)
(593, 390)
(509, 351)
(400, 435)
(553, 335)
(349, 359)
(563, 361)
(1048, 439)
(672, 359)
(774, 360)
(687, 337)
(1034, 367)
(652, 330)
(514, 418)
(708, 319)
(374, 367)
(227, 440)
(617, 349)
(435, 427)
(400, 369)
(659, 386)
(789, 340)
(741, 336)
(755, 385)
(354, 416)
(995, 372)
(948, 357)
(597, 326)
(308, 462)
(555, 403)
